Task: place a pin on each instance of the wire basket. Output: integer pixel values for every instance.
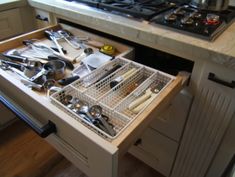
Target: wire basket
(95, 76)
(118, 93)
(117, 120)
(102, 87)
(114, 101)
(158, 77)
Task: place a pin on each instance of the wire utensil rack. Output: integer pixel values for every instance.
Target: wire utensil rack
(95, 90)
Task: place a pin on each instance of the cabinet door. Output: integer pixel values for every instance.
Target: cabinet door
(172, 120)
(10, 23)
(155, 150)
(211, 113)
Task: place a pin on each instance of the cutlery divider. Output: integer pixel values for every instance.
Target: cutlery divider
(116, 119)
(87, 81)
(114, 101)
(157, 77)
(102, 87)
(123, 89)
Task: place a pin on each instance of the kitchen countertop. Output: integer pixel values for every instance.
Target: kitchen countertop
(222, 50)
(10, 4)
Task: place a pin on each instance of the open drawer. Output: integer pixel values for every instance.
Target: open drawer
(94, 152)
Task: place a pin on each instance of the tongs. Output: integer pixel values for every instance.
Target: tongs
(54, 36)
(44, 48)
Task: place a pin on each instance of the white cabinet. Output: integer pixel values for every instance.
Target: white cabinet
(157, 147)
(155, 150)
(172, 120)
(10, 23)
(211, 113)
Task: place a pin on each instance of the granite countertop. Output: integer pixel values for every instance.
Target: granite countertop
(10, 4)
(222, 50)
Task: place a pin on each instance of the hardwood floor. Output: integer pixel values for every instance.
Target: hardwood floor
(24, 154)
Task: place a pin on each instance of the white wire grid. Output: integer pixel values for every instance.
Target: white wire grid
(114, 101)
(83, 83)
(118, 93)
(116, 119)
(102, 87)
(158, 77)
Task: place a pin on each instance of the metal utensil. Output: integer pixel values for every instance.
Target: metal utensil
(211, 5)
(46, 85)
(6, 67)
(53, 69)
(96, 112)
(54, 37)
(29, 71)
(68, 37)
(85, 53)
(44, 48)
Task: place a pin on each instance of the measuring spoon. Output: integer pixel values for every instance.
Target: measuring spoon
(96, 112)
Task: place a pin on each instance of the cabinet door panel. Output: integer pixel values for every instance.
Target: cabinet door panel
(172, 119)
(156, 150)
(212, 110)
(10, 23)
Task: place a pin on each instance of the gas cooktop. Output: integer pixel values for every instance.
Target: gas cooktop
(177, 15)
(204, 24)
(141, 9)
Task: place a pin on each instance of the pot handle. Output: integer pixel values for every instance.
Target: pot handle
(43, 131)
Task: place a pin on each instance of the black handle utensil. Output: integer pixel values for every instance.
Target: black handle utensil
(68, 80)
(16, 58)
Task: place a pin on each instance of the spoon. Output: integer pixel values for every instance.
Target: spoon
(96, 112)
(82, 107)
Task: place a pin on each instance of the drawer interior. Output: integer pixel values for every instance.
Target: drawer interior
(91, 88)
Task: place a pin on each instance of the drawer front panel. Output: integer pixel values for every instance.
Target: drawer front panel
(73, 144)
(10, 23)
(172, 120)
(156, 150)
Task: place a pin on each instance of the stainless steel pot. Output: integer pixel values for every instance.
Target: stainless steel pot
(213, 5)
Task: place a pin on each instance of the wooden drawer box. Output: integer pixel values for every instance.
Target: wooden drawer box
(172, 120)
(155, 150)
(79, 144)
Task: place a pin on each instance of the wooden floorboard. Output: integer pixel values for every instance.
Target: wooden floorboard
(25, 154)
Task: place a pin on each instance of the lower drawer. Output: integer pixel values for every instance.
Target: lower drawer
(172, 120)
(155, 150)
